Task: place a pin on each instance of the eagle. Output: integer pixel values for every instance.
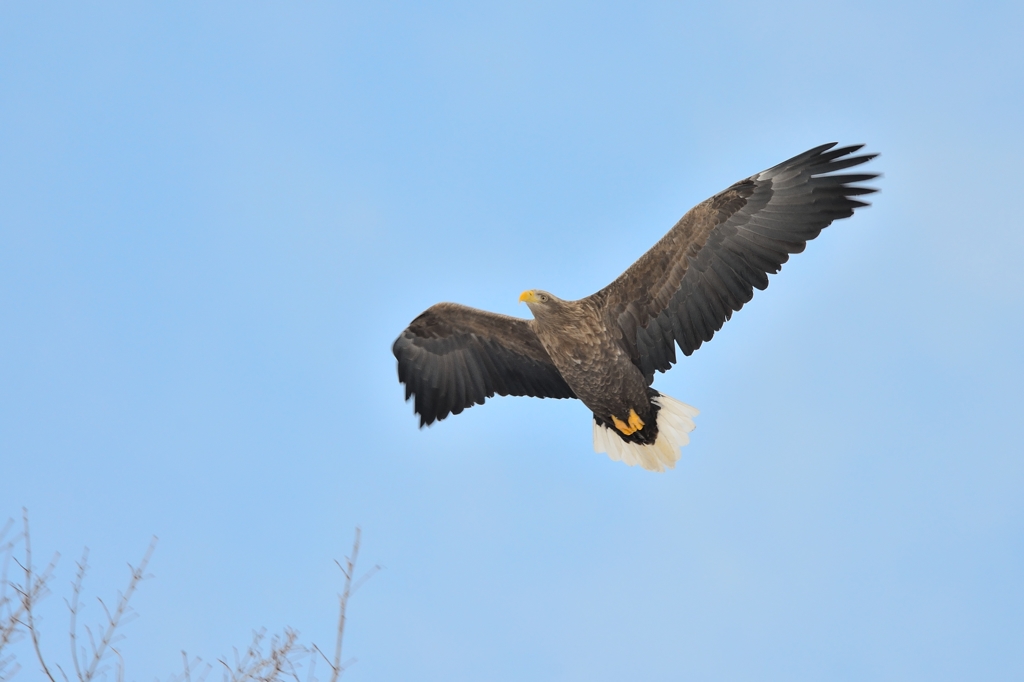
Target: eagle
(605, 349)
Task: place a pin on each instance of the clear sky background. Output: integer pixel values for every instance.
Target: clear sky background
(215, 218)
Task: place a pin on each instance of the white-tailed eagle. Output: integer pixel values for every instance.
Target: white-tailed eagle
(604, 349)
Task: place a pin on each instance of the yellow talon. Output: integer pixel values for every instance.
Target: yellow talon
(634, 425)
(635, 421)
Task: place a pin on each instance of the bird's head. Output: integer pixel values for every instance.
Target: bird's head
(540, 302)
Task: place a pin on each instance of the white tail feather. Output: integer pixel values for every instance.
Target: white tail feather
(675, 421)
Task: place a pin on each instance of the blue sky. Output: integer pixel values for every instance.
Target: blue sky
(216, 217)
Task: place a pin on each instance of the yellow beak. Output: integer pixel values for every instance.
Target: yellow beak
(528, 297)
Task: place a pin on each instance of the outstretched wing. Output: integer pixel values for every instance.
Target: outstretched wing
(452, 357)
(684, 289)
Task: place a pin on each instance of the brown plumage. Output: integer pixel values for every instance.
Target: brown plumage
(604, 349)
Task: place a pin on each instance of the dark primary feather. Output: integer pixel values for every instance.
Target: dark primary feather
(452, 357)
(684, 289)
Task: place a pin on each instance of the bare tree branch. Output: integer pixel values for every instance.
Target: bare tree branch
(348, 570)
(33, 590)
(10, 611)
(190, 666)
(265, 660)
(76, 593)
(113, 619)
(257, 667)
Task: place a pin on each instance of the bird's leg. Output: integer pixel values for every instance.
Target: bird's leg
(635, 423)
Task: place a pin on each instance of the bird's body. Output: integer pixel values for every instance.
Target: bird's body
(604, 349)
(596, 368)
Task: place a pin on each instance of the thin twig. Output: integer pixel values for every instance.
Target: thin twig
(30, 593)
(113, 620)
(337, 667)
(76, 592)
(343, 604)
(9, 545)
(266, 668)
(187, 667)
(9, 617)
(120, 664)
(9, 622)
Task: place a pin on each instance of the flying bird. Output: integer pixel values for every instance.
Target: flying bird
(604, 349)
